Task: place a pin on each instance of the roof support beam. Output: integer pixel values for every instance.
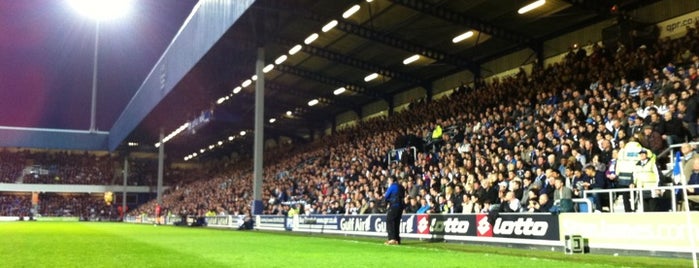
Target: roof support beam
(53, 138)
(461, 19)
(276, 88)
(278, 111)
(282, 131)
(329, 81)
(600, 7)
(350, 61)
(405, 45)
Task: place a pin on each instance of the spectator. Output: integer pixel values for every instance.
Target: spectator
(562, 197)
(645, 176)
(693, 192)
(424, 207)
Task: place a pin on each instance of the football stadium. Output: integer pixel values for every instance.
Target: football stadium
(349, 133)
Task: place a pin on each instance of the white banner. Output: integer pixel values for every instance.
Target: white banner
(677, 26)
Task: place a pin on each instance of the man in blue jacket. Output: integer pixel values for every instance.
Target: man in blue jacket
(394, 197)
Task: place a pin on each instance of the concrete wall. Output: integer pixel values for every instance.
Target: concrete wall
(451, 82)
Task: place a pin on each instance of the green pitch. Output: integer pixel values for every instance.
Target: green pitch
(57, 244)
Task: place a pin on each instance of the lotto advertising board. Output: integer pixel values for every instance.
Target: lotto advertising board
(438, 225)
(519, 228)
(374, 225)
(522, 226)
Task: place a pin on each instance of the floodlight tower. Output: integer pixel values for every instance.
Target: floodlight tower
(99, 10)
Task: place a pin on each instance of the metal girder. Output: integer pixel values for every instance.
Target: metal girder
(329, 81)
(53, 138)
(301, 110)
(327, 99)
(292, 123)
(458, 18)
(406, 45)
(360, 64)
(600, 7)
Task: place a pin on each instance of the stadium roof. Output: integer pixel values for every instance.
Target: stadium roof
(216, 48)
(46, 60)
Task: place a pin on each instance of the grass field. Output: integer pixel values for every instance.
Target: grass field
(61, 244)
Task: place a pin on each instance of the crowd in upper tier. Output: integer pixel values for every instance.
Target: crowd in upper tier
(505, 141)
(61, 167)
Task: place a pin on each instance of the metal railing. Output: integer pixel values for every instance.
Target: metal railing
(672, 147)
(637, 193)
(585, 201)
(671, 151)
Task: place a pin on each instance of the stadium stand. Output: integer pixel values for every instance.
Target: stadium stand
(84, 206)
(512, 134)
(61, 167)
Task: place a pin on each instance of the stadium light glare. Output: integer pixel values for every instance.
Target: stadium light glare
(237, 89)
(313, 102)
(329, 26)
(268, 68)
(202, 150)
(350, 11)
(280, 60)
(246, 83)
(173, 134)
(220, 143)
(339, 91)
(242, 133)
(272, 120)
(220, 100)
(370, 77)
(289, 113)
(230, 138)
(411, 59)
(531, 6)
(295, 49)
(462, 37)
(101, 10)
(310, 38)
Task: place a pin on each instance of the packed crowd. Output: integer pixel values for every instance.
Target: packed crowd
(85, 206)
(42, 167)
(15, 205)
(77, 205)
(525, 141)
(56, 168)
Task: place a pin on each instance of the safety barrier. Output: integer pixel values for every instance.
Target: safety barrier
(519, 228)
(657, 232)
(229, 221)
(635, 193)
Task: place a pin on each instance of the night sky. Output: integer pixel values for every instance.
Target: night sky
(46, 57)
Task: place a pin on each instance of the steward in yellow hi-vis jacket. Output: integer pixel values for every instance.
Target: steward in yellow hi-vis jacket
(646, 176)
